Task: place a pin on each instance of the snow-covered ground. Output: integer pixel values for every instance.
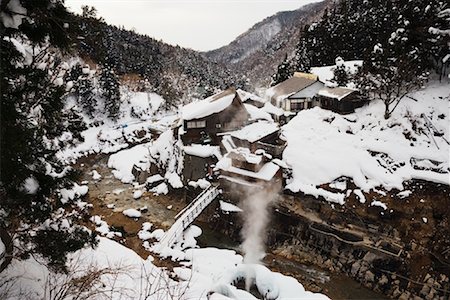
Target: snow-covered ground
(372, 151)
(139, 112)
(207, 273)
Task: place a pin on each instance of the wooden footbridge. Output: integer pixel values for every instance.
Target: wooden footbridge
(188, 215)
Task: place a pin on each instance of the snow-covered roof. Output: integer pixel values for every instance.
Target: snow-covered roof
(308, 92)
(257, 113)
(244, 154)
(266, 173)
(290, 86)
(244, 95)
(338, 93)
(208, 106)
(255, 131)
(271, 109)
(202, 150)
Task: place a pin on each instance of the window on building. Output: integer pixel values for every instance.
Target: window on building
(296, 105)
(196, 124)
(218, 125)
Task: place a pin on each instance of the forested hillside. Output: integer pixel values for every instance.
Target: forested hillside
(351, 30)
(172, 71)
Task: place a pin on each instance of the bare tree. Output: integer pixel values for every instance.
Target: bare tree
(389, 76)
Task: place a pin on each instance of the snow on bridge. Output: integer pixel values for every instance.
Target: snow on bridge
(185, 217)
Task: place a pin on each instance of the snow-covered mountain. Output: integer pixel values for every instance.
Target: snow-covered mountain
(257, 52)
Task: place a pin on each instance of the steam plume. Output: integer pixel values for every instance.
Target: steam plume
(256, 208)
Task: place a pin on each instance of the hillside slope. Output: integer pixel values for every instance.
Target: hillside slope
(172, 71)
(257, 52)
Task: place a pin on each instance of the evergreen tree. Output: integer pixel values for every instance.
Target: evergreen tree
(283, 72)
(340, 74)
(109, 88)
(32, 118)
(302, 61)
(85, 92)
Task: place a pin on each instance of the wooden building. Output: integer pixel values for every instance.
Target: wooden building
(339, 99)
(261, 135)
(203, 120)
(296, 93)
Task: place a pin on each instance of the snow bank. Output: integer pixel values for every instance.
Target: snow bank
(123, 161)
(373, 152)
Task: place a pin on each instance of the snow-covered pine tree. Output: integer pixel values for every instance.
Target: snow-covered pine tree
(110, 91)
(284, 72)
(340, 74)
(85, 92)
(302, 61)
(33, 91)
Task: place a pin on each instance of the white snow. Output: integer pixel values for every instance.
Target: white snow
(160, 189)
(323, 145)
(208, 106)
(378, 203)
(18, 13)
(202, 150)
(244, 95)
(339, 185)
(137, 113)
(154, 178)
(103, 228)
(267, 171)
(174, 180)
(132, 213)
(335, 92)
(96, 175)
(404, 194)
(145, 234)
(326, 74)
(123, 161)
(201, 183)
(30, 185)
(137, 194)
(75, 192)
(257, 113)
(228, 207)
(255, 131)
(360, 195)
(271, 109)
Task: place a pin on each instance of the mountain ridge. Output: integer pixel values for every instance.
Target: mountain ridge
(257, 52)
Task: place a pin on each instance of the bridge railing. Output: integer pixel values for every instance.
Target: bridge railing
(188, 215)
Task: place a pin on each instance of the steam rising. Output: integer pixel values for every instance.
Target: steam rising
(256, 208)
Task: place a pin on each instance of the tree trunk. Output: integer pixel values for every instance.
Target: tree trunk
(387, 114)
(7, 255)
